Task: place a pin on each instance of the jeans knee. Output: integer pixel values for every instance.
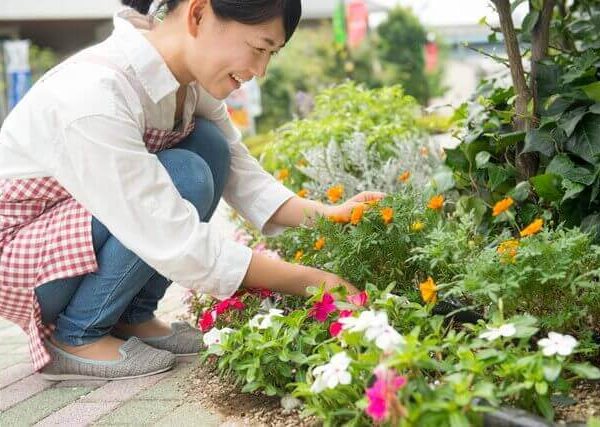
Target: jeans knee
(191, 176)
(216, 143)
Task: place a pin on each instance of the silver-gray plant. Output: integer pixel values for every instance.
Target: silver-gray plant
(361, 168)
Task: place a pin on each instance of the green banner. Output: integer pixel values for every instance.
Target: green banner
(340, 34)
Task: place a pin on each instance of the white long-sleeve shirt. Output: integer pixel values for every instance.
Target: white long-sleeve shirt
(83, 124)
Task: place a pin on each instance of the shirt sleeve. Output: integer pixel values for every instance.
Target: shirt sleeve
(103, 162)
(250, 190)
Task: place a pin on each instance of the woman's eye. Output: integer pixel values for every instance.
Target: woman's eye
(260, 49)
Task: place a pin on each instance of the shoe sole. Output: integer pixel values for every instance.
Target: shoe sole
(73, 377)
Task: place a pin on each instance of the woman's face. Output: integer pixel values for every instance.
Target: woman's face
(224, 54)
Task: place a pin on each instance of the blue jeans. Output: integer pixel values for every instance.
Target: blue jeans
(125, 288)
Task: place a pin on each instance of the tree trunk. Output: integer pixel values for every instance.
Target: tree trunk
(526, 164)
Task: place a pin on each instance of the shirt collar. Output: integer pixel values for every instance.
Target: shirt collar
(149, 66)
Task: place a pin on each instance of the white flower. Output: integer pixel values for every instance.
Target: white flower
(366, 320)
(215, 337)
(333, 373)
(557, 344)
(386, 338)
(507, 330)
(264, 321)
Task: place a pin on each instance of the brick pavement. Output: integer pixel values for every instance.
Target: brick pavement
(26, 399)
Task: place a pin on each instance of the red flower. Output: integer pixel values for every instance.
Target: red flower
(263, 293)
(345, 313)
(360, 299)
(207, 321)
(320, 310)
(229, 303)
(335, 328)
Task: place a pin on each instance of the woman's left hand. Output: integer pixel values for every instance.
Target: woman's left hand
(345, 209)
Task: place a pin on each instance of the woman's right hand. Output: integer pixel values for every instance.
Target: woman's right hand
(281, 276)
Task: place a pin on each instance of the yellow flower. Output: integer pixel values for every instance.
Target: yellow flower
(436, 202)
(302, 193)
(320, 243)
(301, 162)
(283, 174)
(298, 256)
(387, 214)
(404, 177)
(502, 206)
(357, 214)
(417, 226)
(508, 250)
(335, 193)
(428, 291)
(532, 228)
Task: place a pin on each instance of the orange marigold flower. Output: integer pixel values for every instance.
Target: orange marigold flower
(508, 250)
(404, 177)
(424, 151)
(387, 214)
(339, 219)
(357, 214)
(502, 206)
(428, 291)
(417, 226)
(298, 256)
(283, 174)
(436, 202)
(532, 228)
(302, 193)
(320, 243)
(335, 193)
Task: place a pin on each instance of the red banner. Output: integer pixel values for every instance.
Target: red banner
(357, 17)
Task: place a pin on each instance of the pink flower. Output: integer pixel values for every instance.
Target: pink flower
(320, 310)
(345, 313)
(229, 303)
(207, 321)
(359, 300)
(336, 327)
(382, 395)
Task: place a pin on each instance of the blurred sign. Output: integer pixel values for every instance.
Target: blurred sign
(18, 73)
(339, 23)
(244, 105)
(357, 19)
(431, 56)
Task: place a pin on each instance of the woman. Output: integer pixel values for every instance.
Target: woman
(110, 169)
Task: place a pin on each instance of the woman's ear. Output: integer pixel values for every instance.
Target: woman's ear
(195, 12)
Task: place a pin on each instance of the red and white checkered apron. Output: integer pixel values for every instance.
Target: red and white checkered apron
(45, 234)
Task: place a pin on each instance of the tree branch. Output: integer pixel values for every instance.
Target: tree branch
(540, 39)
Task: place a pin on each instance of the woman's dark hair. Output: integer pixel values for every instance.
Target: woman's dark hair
(244, 11)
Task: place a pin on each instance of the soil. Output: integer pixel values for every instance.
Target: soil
(587, 403)
(240, 409)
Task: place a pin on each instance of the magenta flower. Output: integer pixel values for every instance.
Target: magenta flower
(359, 300)
(232, 303)
(321, 310)
(207, 321)
(382, 395)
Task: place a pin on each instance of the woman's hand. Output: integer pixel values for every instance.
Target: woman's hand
(345, 209)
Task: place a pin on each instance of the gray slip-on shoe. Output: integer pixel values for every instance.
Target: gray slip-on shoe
(183, 341)
(137, 360)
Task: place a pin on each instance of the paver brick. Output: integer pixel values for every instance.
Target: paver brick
(139, 412)
(120, 391)
(190, 414)
(22, 390)
(78, 414)
(15, 373)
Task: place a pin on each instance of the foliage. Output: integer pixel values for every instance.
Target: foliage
(552, 163)
(383, 115)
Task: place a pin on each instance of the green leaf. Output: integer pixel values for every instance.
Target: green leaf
(593, 422)
(507, 139)
(521, 191)
(595, 108)
(498, 175)
(544, 406)
(591, 225)
(552, 371)
(562, 165)
(482, 159)
(570, 119)
(547, 186)
(540, 140)
(474, 204)
(585, 370)
(585, 141)
(571, 189)
(456, 159)
(458, 419)
(592, 90)
(442, 180)
(530, 21)
(541, 387)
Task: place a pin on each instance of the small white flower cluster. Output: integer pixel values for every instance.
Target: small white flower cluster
(376, 328)
(215, 337)
(507, 330)
(562, 345)
(333, 373)
(264, 321)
